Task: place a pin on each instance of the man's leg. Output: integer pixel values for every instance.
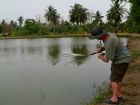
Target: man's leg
(115, 89)
(114, 98)
(119, 90)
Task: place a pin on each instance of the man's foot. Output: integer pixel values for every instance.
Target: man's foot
(119, 98)
(109, 101)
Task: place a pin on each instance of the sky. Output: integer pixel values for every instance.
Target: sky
(12, 9)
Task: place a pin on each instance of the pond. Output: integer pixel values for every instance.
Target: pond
(40, 71)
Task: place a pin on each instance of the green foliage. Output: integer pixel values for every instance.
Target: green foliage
(20, 32)
(98, 99)
(134, 18)
(31, 26)
(3, 26)
(78, 14)
(43, 30)
(135, 10)
(65, 27)
(0, 29)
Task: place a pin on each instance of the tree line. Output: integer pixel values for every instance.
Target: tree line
(81, 20)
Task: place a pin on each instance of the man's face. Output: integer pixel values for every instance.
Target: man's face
(104, 37)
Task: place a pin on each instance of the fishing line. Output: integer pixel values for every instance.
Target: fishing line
(81, 58)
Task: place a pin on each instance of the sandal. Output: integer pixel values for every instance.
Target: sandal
(119, 98)
(109, 101)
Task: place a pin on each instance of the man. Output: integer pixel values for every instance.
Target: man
(117, 52)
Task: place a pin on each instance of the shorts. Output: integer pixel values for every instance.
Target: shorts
(118, 71)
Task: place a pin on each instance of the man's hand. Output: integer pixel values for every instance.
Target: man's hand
(100, 49)
(99, 55)
(102, 57)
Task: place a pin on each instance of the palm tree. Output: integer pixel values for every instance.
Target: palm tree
(98, 19)
(116, 14)
(78, 14)
(20, 21)
(52, 17)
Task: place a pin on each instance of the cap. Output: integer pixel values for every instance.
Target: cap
(96, 33)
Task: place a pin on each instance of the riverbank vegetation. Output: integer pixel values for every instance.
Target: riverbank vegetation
(81, 21)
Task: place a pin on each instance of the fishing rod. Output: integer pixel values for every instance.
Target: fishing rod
(73, 54)
(77, 59)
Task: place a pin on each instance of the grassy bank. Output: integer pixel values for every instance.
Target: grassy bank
(43, 36)
(63, 35)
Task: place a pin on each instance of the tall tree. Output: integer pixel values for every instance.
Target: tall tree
(20, 21)
(3, 26)
(0, 29)
(134, 18)
(52, 17)
(116, 14)
(98, 19)
(13, 25)
(78, 14)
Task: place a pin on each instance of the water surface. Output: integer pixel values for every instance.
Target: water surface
(37, 72)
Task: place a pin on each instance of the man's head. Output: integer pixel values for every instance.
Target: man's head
(98, 33)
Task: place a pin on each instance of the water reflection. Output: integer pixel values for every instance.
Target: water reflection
(31, 47)
(51, 48)
(8, 51)
(34, 50)
(54, 51)
(79, 47)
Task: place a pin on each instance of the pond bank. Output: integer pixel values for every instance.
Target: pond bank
(44, 36)
(65, 35)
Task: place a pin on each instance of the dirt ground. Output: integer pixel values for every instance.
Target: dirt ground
(131, 81)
